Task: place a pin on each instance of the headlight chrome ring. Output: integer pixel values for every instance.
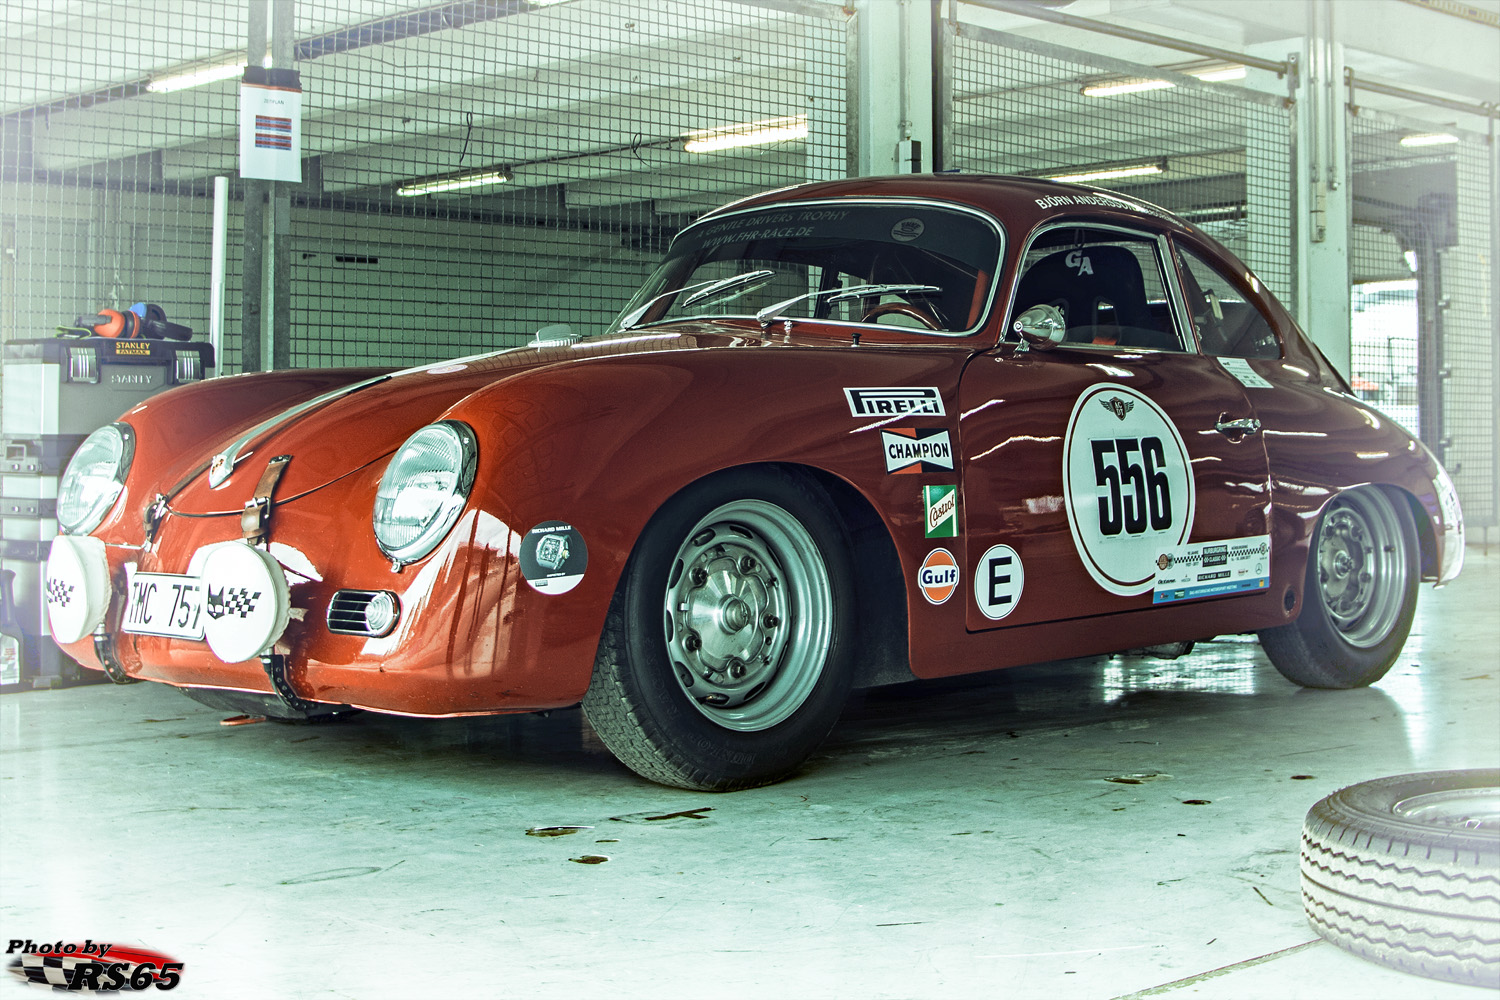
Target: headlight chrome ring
(94, 478)
(424, 489)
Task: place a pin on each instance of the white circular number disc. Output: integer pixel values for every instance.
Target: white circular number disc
(1128, 485)
(245, 600)
(998, 581)
(77, 586)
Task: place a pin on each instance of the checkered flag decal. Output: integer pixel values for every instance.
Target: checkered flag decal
(56, 971)
(231, 601)
(59, 592)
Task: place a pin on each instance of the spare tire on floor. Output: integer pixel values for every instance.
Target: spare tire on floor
(1405, 871)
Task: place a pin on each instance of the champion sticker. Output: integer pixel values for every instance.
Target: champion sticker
(1128, 486)
(998, 581)
(895, 401)
(938, 577)
(941, 503)
(909, 450)
(553, 557)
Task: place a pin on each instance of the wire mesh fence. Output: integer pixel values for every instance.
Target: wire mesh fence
(579, 112)
(1218, 156)
(1423, 249)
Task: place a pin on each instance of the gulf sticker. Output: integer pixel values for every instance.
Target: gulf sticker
(1128, 486)
(938, 576)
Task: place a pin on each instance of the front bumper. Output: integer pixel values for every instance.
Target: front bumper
(466, 639)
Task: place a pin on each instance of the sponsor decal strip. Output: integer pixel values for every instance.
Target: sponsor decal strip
(1213, 569)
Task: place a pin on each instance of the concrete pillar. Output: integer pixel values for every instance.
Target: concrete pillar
(892, 76)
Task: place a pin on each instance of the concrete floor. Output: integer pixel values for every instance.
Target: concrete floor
(954, 839)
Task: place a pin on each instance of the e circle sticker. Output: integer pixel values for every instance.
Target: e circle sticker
(998, 581)
(1128, 484)
(938, 576)
(553, 557)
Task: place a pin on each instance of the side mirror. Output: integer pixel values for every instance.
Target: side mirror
(1041, 327)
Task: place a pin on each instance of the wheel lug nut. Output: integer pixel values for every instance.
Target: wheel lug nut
(770, 621)
(736, 668)
(691, 642)
(747, 565)
(699, 577)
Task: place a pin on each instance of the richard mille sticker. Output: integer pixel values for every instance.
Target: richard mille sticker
(553, 557)
(941, 503)
(895, 401)
(1213, 569)
(909, 450)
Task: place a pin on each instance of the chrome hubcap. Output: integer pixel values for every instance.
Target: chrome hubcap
(1362, 568)
(747, 614)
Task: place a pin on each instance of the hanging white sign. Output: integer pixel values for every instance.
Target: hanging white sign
(270, 132)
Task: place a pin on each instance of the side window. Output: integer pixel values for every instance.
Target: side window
(1227, 325)
(1107, 284)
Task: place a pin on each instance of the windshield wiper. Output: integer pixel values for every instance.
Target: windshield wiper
(700, 291)
(835, 295)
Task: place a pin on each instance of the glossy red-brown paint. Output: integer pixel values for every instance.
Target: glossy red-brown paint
(602, 433)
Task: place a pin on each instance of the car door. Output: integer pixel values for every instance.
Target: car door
(1118, 470)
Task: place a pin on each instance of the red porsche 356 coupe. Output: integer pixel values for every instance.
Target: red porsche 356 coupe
(847, 433)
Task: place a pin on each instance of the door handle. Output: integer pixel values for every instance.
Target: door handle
(1236, 428)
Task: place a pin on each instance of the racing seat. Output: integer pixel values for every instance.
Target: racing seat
(1102, 296)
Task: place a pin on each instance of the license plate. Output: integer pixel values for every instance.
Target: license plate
(165, 604)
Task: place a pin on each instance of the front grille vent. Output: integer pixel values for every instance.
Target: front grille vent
(349, 613)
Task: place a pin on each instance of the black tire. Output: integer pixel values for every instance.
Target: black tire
(1359, 595)
(1405, 871)
(676, 694)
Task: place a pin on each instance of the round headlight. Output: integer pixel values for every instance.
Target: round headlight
(424, 489)
(94, 478)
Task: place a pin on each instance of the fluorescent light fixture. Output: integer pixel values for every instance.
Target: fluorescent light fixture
(196, 77)
(456, 182)
(1116, 87)
(748, 134)
(1428, 139)
(1219, 74)
(1108, 173)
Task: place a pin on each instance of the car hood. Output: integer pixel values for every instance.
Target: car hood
(336, 431)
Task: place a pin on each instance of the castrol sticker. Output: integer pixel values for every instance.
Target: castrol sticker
(938, 577)
(1128, 486)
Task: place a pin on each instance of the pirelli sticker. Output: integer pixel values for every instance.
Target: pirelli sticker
(910, 450)
(897, 401)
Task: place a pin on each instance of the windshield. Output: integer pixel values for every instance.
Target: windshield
(936, 266)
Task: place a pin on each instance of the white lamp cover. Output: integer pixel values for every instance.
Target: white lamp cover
(77, 586)
(246, 600)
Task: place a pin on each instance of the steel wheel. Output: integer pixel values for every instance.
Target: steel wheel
(1362, 567)
(748, 615)
(1359, 595)
(726, 654)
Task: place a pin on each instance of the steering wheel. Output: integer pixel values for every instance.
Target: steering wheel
(917, 313)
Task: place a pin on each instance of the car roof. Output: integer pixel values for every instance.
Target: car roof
(1021, 202)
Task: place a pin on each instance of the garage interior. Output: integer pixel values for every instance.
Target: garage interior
(473, 172)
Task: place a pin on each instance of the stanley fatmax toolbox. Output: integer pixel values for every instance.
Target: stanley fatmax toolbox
(57, 391)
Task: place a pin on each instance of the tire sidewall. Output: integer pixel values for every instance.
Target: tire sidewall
(661, 707)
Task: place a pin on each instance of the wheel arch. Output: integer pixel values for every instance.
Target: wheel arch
(881, 654)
